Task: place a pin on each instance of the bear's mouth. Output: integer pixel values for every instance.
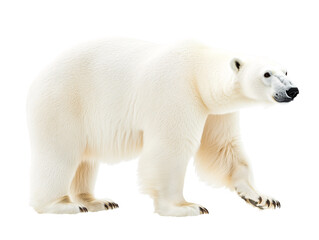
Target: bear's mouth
(282, 99)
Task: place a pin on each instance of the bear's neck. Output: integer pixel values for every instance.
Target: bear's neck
(228, 99)
(219, 91)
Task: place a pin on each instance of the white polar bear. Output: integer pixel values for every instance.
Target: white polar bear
(117, 99)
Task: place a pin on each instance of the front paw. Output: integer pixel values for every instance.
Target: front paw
(180, 210)
(261, 202)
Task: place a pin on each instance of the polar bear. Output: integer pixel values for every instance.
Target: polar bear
(118, 99)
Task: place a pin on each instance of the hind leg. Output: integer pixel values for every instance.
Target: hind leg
(82, 188)
(51, 176)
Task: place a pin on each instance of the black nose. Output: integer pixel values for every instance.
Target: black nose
(292, 92)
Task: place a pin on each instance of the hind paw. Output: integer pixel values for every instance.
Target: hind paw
(89, 203)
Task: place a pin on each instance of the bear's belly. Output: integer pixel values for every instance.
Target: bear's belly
(116, 146)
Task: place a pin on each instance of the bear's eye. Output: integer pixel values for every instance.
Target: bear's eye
(267, 75)
(286, 73)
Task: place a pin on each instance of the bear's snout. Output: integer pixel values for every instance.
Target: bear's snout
(288, 95)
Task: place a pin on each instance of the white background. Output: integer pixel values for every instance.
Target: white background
(282, 142)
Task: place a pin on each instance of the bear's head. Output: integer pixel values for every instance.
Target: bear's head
(263, 81)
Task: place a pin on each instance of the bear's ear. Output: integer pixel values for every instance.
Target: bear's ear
(236, 64)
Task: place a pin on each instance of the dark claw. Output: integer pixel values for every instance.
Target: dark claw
(113, 205)
(274, 203)
(268, 202)
(203, 210)
(244, 198)
(278, 204)
(259, 200)
(83, 209)
(106, 206)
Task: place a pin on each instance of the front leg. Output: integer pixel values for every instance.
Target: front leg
(168, 145)
(162, 168)
(221, 160)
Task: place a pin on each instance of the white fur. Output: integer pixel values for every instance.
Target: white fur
(118, 99)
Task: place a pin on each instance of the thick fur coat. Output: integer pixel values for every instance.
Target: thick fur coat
(119, 99)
